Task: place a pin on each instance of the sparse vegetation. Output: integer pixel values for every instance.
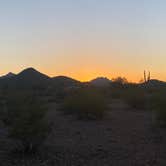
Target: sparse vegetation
(118, 87)
(25, 120)
(86, 104)
(119, 81)
(135, 97)
(132, 94)
(158, 104)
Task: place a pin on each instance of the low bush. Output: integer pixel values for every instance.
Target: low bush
(119, 87)
(26, 122)
(86, 104)
(158, 105)
(135, 97)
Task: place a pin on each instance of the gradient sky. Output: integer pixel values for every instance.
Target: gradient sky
(84, 38)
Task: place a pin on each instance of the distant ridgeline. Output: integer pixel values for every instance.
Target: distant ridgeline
(101, 82)
(148, 82)
(33, 79)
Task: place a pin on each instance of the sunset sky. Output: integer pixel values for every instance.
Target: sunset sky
(84, 39)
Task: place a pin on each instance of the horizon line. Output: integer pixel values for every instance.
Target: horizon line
(73, 77)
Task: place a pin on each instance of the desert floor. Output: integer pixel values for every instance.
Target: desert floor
(125, 137)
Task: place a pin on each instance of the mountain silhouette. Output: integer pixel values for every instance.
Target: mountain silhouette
(30, 78)
(100, 82)
(154, 83)
(64, 81)
(9, 75)
(31, 75)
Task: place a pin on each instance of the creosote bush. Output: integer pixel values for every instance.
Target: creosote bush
(158, 105)
(117, 87)
(26, 123)
(135, 97)
(86, 103)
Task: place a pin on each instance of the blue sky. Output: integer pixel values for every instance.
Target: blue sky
(84, 38)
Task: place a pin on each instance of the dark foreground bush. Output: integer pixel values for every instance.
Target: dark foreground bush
(86, 104)
(135, 97)
(26, 123)
(158, 104)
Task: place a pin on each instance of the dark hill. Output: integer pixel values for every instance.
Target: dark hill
(9, 75)
(100, 82)
(63, 81)
(28, 78)
(155, 83)
(31, 75)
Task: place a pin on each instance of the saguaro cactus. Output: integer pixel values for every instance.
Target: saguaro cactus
(146, 78)
(149, 76)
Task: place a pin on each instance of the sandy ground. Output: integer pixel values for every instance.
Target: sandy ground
(125, 137)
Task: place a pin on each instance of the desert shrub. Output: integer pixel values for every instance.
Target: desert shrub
(85, 104)
(158, 105)
(26, 122)
(135, 97)
(119, 88)
(119, 81)
(116, 93)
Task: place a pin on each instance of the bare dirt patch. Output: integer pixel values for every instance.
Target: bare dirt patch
(124, 138)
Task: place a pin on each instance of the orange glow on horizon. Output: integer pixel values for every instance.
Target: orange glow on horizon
(85, 75)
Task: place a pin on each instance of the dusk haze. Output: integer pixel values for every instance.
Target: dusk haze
(83, 83)
(84, 39)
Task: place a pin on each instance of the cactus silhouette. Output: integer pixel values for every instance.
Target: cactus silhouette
(147, 78)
